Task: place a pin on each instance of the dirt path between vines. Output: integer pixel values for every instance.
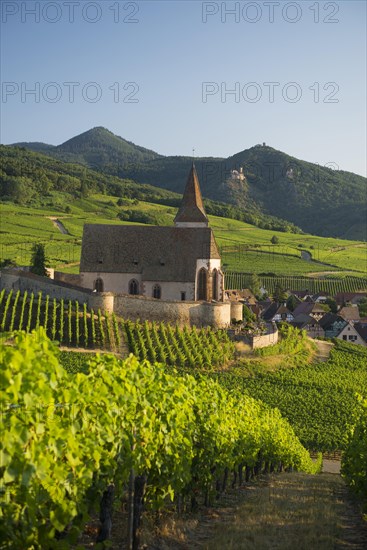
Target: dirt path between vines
(279, 512)
(289, 511)
(323, 350)
(60, 226)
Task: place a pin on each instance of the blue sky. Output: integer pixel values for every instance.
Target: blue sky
(160, 74)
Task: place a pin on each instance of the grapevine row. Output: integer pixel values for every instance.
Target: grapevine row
(354, 459)
(332, 286)
(179, 347)
(319, 400)
(64, 321)
(177, 438)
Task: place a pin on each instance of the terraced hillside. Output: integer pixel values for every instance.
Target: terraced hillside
(244, 247)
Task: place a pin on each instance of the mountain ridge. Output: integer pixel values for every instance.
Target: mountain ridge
(318, 199)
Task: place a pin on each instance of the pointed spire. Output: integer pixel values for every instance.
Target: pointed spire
(191, 212)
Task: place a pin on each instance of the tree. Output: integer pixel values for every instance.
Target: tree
(84, 189)
(292, 302)
(279, 294)
(18, 189)
(362, 306)
(332, 305)
(248, 315)
(255, 284)
(123, 202)
(274, 240)
(7, 262)
(38, 262)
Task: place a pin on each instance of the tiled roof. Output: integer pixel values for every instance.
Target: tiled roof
(342, 297)
(329, 319)
(275, 309)
(158, 253)
(362, 330)
(349, 313)
(192, 207)
(299, 293)
(304, 319)
(308, 308)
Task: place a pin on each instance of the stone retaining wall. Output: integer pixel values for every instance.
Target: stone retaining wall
(215, 314)
(264, 340)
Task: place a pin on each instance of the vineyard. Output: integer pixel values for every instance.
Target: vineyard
(73, 325)
(179, 347)
(319, 400)
(170, 438)
(355, 458)
(243, 247)
(331, 286)
(67, 322)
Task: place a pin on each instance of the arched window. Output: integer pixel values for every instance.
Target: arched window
(98, 285)
(215, 285)
(202, 284)
(157, 292)
(133, 287)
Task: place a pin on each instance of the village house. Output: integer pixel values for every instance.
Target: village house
(332, 324)
(245, 295)
(361, 328)
(344, 298)
(350, 334)
(300, 294)
(309, 308)
(320, 297)
(350, 313)
(277, 313)
(310, 325)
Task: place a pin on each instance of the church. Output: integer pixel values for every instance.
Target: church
(179, 263)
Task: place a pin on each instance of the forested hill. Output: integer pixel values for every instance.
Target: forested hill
(34, 179)
(318, 199)
(97, 148)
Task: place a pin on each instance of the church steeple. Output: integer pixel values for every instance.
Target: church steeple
(191, 212)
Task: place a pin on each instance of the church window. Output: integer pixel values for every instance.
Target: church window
(133, 287)
(215, 285)
(157, 292)
(183, 296)
(202, 284)
(98, 285)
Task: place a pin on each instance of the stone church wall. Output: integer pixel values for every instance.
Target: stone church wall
(189, 313)
(120, 283)
(171, 291)
(69, 278)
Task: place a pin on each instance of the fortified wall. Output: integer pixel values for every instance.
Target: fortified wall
(264, 340)
(270, 338)
(215, 314)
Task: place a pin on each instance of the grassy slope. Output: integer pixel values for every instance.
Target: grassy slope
(243, 246)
